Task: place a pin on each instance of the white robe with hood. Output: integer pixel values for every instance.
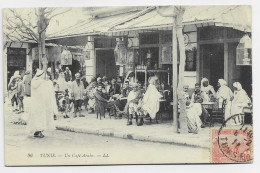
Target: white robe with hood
(151, 101)
(43, 106)
(240, 100)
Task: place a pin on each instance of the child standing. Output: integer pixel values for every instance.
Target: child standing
(20, 94)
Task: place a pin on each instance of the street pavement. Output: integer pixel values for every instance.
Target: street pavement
(163, 132)
(69, 147)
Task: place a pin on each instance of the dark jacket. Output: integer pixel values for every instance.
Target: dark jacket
(115, 89)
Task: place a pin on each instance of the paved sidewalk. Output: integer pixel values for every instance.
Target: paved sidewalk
(163, 132)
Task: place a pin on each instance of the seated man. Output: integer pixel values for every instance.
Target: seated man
(207, 91)
(198, 97)
(185, 92)
(140, 87)
(132, 102)
(197, 92)
(151, 101)
(193, 117)
(90, 94)
(115, 88)
(126, 89)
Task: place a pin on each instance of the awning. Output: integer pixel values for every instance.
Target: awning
(237, 17)
(234, 16)
(97, 25)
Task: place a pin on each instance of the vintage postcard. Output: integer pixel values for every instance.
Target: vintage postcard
(128, 85)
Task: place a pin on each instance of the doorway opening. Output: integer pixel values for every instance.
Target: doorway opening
(16, 61)
(105, 63)
(212, 62)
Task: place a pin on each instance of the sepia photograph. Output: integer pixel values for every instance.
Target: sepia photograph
(124, 85)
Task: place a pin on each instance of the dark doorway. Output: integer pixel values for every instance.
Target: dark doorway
(105, 63)
(246, 79)
(16, 61)
(213, 62)
(154, 56)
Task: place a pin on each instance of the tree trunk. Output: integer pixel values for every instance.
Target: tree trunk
(182, 100)
(40, 52)
(44, 56)
(174, 76)
(41, 24)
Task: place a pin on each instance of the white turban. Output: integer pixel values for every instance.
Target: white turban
(153, 80)
(203, 80)
(222, 82)
(237, 85)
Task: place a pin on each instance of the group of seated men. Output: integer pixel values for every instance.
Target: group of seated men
(139, 103)
(232, 103)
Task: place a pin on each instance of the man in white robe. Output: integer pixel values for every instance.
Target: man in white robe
(224, 93)
(151, 100)
(43, 106)
(239, 101)
(194, 112)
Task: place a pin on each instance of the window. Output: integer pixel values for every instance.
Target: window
(16, 57)
(190, 64)
(149, 38)
(105, 42)
(210, 33)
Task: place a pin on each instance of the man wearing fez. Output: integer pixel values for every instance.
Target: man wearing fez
(67, 74)
(115, 88)
(77, 92)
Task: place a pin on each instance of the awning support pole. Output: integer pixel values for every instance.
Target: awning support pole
(174, 75)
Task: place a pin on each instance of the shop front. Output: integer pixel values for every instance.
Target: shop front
(16, 57)
(218, 57)
(16, 61)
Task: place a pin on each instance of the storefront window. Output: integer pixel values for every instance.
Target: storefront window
(149, 38)
(190, 64)
(243, 51)
(211, 33)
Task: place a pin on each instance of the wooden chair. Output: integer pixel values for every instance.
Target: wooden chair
(218, 114)
(119, 113)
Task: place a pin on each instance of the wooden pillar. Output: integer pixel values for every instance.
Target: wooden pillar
(174, 75)
(181, 99)
(52, 70)
(225, 56)
(145, 77)
(5, 66)
(198, 68)
(226, 61)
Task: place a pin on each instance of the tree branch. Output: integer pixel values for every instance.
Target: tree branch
(22, 23)
(48, 13)
(59, 13)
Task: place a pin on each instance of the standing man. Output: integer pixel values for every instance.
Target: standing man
(77, 92)
(67, 74)
(27, 83)
(101, 100)
(43, 106)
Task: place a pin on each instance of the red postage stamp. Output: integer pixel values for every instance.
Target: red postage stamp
(232, 145)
